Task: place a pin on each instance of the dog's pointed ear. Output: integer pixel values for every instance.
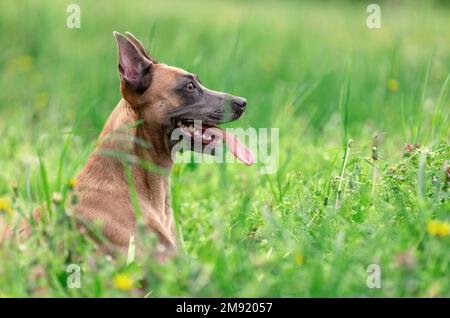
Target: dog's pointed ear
(140, 46)
(134, 67)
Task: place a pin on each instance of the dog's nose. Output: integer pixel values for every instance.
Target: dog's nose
(239, 103)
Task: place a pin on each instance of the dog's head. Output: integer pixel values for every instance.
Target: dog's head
(170, 98)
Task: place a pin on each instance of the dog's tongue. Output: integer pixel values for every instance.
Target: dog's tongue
(237, 148)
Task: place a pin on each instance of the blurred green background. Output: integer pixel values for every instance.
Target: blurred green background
(312, 69)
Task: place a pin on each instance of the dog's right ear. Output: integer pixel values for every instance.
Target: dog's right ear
(134, 67)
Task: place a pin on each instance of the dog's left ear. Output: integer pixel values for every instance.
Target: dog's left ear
(140, 46)
(134, 67)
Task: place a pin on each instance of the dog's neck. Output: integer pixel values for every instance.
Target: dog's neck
(125, 130)
(146, 143)
(125, 140)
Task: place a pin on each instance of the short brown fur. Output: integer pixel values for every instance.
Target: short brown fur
(137, 129)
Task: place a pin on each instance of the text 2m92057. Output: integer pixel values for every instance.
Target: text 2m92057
(245, 307)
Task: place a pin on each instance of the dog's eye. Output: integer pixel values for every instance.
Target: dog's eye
(190, 86)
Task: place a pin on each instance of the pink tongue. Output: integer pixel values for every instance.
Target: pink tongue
(238, 149)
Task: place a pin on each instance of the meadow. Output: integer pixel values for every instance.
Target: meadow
(363, 174)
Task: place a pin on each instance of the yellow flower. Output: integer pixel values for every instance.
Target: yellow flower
(177, 169)
(123, 281)
(41, 100)
(438, 228)
(392, 85)
(24, 62)
(434, 290)
(5, 206)
(72, 183)
(299, 259)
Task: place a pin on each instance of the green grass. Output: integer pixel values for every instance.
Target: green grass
(314, 71)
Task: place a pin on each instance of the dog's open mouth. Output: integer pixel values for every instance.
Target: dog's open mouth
(213, 135)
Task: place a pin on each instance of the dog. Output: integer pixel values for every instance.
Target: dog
(136, 147)
(157, 99)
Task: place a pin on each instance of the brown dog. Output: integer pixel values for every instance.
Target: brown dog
(157, 99)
